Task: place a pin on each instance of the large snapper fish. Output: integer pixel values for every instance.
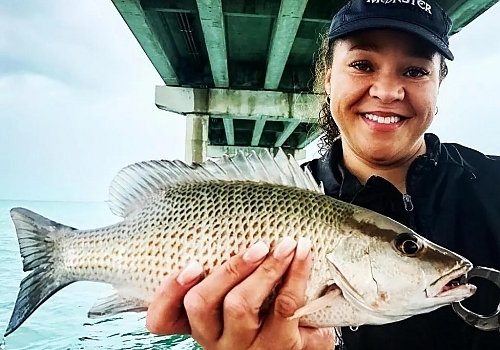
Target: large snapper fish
(368, 269)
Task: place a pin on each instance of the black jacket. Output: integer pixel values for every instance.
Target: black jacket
(453, 200)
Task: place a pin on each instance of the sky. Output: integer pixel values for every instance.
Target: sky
(77, 98)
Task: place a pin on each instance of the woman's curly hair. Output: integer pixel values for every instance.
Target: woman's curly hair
(325, 120)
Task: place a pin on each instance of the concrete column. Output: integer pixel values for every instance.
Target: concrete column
(196, 138)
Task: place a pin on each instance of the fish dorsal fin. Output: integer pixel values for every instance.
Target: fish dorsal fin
(139, 181)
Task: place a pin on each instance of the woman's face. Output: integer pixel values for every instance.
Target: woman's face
(383, 86)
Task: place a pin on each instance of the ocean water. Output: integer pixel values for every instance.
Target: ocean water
(61, 322)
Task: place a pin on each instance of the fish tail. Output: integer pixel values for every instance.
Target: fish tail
(38, 243)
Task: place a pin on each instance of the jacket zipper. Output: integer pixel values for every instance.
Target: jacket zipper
(409, 208)
(407, 202)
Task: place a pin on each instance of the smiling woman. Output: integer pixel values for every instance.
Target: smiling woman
(377, 86)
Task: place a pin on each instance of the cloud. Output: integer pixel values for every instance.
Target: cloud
(77, 102)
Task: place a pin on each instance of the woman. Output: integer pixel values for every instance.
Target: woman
(384, 62)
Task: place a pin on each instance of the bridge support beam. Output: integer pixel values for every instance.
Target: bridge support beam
(224, 121)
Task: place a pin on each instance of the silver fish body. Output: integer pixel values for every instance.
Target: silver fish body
(174, 213)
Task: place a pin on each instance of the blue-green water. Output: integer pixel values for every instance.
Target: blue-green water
(61, 322)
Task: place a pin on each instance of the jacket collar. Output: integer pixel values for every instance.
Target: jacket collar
(339, 182)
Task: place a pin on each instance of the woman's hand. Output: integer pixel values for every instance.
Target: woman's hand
(222, 311)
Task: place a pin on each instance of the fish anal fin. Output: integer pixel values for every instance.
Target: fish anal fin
(116, 304)
(328, 295)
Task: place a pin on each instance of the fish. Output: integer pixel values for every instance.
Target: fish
(367, 268)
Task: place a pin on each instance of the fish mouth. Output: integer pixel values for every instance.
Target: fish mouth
(449, 283)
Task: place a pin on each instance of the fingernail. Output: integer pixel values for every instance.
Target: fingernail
(284, 248)
(190, 273)
(256, 252)
(303, 248)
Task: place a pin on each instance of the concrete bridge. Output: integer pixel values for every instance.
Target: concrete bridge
(240, 71)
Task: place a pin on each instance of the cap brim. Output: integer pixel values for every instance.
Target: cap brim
(389, 23)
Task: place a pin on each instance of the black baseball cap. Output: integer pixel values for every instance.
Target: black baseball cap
(424, 18)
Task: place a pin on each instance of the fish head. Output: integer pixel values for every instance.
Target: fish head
(387, 269)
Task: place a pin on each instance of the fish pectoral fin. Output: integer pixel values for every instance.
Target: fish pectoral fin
(116, 304)
(319, 303)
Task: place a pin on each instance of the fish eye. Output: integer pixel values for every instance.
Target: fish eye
(408, 244)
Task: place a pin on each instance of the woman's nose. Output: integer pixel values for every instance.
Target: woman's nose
(387, 89)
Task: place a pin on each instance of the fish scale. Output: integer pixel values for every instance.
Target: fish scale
(225, 231)
(174, 213)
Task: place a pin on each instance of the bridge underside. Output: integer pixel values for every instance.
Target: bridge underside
(241, 56)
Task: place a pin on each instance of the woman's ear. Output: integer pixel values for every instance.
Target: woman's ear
(328, 75)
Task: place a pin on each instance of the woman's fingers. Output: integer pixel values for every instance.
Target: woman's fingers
(166, 314)
(222, 311)
(203, 303)
(243, 302)
(292, 293)
(290, 298)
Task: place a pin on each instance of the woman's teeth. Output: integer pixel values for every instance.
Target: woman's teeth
(382, 120)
